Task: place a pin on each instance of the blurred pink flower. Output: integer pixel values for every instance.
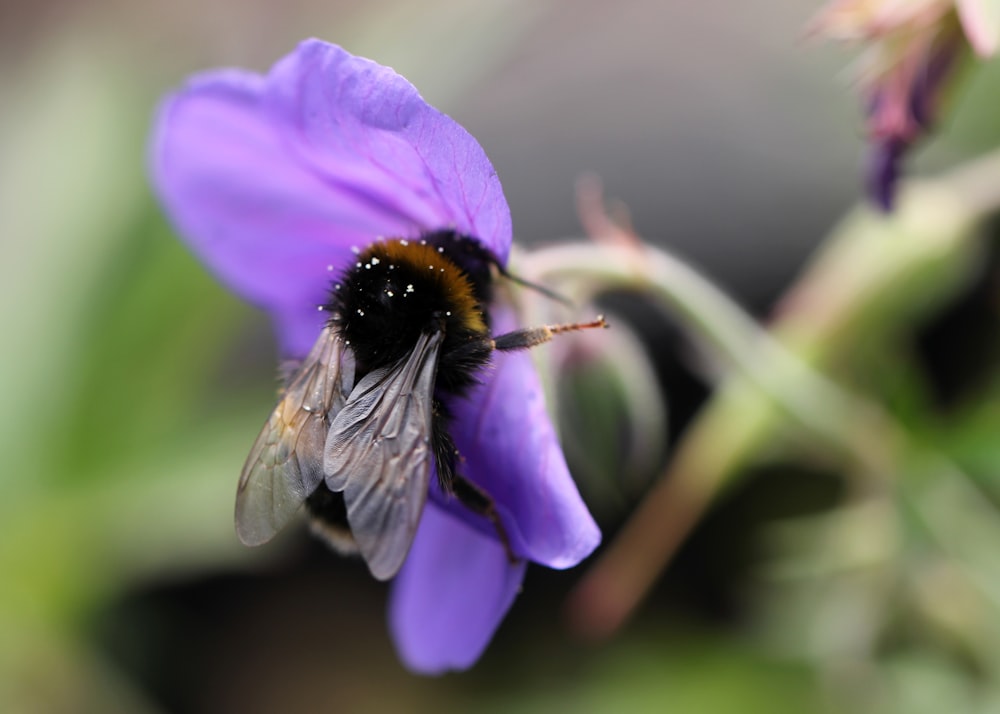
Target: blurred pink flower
(912, 48)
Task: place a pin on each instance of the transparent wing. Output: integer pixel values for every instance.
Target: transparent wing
(378, 453)
(285, 463)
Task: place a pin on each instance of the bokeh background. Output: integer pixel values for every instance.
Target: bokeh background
(133, 385)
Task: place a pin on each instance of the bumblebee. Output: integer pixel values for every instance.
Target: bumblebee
(364, 419)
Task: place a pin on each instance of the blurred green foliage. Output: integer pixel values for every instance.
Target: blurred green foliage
(116, 426)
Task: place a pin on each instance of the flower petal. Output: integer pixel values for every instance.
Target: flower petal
(448, 600)
(272, 180)
(981, 21)
(882, 171)
(263, 223)
(362, 126)
(509, 447)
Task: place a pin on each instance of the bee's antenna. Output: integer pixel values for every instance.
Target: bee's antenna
(551, 294)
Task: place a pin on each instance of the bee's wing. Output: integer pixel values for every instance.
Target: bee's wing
(285, 463)
(378, 453)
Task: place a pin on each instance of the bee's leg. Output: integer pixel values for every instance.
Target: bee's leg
(478, 501)
(445, 452)
(472, 497)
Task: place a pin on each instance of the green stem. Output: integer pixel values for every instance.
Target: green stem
(872, 275)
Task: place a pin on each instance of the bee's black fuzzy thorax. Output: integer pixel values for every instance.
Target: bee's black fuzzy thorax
(398, 289)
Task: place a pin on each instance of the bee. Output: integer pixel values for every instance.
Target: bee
(364, 417)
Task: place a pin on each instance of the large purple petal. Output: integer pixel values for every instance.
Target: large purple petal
(271, 180)
(365, 128)
(448, 600)
(263, 224)
(509, 447)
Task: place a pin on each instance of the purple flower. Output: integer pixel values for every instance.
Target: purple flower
(272, 180)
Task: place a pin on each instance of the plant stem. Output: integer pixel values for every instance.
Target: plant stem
(870, 277)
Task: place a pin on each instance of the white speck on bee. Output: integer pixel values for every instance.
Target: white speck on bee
(440, 249)
(409, 288)
(390, 293)
(320, 308)
(375, 261)
(404, 242)
(368, 266)
(423, 242)
(361, 312)
(337, 286)
(358, 264)
(448, 313)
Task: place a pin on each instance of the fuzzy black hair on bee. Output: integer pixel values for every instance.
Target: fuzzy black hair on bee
(399, 289)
